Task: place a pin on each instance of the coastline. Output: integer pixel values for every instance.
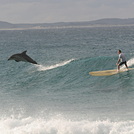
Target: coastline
(64, 27)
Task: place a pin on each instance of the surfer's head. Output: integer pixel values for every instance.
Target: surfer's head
(119, 51)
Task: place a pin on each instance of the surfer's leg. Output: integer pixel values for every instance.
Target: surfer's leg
(118, 67)
(126, 65)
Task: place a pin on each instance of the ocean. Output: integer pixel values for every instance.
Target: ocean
(58, 96)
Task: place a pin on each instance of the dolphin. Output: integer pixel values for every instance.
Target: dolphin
(22, 57)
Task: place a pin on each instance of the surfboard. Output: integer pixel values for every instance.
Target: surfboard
(108, 72)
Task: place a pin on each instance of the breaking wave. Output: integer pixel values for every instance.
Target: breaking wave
(44, 68)
(31, 125)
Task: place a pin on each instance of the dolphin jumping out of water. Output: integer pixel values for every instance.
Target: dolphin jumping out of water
(22, 57)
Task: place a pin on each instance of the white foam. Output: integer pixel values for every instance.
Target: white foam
(31, 125)
(129, 63)
(44, 68)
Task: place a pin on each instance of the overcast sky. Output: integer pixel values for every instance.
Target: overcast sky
(49, 11)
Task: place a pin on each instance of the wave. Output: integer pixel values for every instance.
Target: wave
(71, 74)
(100, 62)
(44, 68)
(32, 125)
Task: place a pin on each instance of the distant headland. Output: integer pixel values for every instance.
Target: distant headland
(95, 23)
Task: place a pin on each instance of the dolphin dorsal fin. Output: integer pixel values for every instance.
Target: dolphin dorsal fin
(24, 52)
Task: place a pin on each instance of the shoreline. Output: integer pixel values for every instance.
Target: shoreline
(64, 27)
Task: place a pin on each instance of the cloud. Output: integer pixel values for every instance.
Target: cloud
(33, 11)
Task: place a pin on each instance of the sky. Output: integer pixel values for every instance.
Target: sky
(51, 11)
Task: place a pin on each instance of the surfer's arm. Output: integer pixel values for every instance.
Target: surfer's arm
(118, 61)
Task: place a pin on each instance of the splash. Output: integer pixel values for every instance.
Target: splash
(129, 63)
(31, 125)
(44, 68)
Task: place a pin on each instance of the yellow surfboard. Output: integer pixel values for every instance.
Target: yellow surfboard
(108, 72)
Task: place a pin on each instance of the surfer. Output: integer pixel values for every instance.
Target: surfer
(121, 60)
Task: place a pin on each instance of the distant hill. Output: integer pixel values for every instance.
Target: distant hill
(110, 21)
(6, 25)
(114, 21)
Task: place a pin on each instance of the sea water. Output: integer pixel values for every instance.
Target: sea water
(58, 96)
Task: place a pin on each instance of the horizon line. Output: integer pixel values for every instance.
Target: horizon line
(64, 21)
